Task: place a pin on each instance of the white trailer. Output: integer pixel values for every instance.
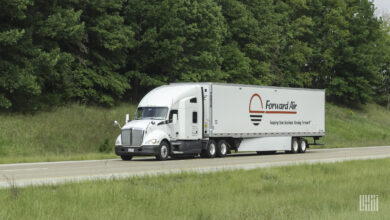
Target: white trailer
(214, 119)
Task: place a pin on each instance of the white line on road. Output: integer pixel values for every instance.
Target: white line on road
(64, 179)
(26, 169)
(55, 162)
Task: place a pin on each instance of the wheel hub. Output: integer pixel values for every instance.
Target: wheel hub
(295, 146)
(164, 151)
(212, 149)
(223, 149)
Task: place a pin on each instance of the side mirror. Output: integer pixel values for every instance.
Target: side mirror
(174, 119)
(127, 118)
(117, 124)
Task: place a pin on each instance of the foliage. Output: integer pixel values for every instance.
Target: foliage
(307, 191)
(79, 132)
(175, 41)
(65, 133)
(101, 52)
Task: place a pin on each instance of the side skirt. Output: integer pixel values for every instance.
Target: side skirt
(265, 144)
(188, 146)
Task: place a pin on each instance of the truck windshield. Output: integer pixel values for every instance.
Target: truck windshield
(151, 113)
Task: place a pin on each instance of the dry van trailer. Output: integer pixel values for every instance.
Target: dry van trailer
(212, 119)
(259, 118)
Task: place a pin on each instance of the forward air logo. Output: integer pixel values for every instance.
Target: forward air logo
(257, 110)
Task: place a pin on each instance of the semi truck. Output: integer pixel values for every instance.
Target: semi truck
(216, 119)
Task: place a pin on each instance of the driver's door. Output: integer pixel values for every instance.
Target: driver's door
(173, 124)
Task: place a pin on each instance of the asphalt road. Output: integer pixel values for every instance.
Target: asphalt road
(24, 174)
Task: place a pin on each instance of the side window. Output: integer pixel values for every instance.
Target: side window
(193, 100)
(171, 115)
(194, 117)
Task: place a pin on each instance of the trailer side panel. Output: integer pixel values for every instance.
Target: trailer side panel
(253, 111)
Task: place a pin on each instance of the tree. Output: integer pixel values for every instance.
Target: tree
(17, 77)
(383, 90)
(98, 75)
(346, 53)
(101, 52)
(176, 41)
(252, 42)
(294, 53)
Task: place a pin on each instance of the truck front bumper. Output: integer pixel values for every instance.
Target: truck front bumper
(146, 150)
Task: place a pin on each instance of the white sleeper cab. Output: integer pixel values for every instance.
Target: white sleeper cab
(214, 119)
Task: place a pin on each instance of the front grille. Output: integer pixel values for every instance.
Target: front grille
(126, 135)
(137, 137)
(132, 137)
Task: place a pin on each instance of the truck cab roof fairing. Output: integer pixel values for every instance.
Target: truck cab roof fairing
(165, 96)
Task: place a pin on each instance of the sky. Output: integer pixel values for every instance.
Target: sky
(383, 6)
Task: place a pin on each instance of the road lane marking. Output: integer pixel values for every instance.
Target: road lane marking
(107, 160)
(55, 162)
(25, 169)
(207, 169)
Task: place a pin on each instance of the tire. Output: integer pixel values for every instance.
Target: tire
(222, 148)
(163, 151)
(210, 149)
(302, 145)
(294, 146)
(126, 157)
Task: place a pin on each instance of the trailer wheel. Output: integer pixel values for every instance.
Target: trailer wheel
(294, 146)
(163, 151)
(210, 149)
(222, 148)
(302, 145)
(126, 157)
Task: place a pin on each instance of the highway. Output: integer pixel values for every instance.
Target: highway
(25, 174)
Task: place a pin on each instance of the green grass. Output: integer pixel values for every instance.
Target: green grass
(83, 132)
(67, 133)
(320, 191)
(345, 127)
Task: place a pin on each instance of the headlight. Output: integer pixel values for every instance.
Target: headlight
(152, 141)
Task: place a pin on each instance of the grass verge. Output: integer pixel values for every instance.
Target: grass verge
(369, 126)
(67, 133)
(84, 132)
(319, 191)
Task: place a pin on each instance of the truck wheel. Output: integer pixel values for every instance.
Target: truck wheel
(163, 151)
(210, 149)
(222, 148)
(302, 145)
(294, 146)
(126, 157)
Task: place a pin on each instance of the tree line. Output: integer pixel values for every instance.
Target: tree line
(105, 51)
